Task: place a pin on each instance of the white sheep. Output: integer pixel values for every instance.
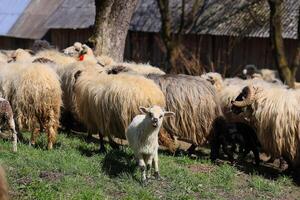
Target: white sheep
(7, 119)
(142, 136)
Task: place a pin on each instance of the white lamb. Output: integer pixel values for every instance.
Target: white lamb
(142, 136)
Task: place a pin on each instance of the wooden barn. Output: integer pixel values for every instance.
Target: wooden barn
(225, 36)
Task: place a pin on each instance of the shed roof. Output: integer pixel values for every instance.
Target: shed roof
(10, 11)
(216, 17)
(32, 22)
(219, 17)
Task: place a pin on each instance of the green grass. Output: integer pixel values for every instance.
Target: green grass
(74, 170)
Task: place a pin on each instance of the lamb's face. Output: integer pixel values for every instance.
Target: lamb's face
(156, 115)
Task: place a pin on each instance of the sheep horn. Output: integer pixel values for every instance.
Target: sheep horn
(248, 100)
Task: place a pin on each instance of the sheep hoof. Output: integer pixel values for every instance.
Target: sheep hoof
(102, 151)
(157, 176)
(50, 146)
(144, 182)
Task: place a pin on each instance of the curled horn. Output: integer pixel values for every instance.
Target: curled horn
(249, 97)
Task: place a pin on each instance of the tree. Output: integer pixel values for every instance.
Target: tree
(178, 58)
(112, 21)
(194, 16)
(287, 73)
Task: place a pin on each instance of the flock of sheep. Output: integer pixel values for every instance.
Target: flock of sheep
(45, 87)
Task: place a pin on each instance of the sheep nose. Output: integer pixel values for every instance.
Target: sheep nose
(155, 120)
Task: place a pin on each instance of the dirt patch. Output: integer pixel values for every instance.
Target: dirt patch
(196, 168)
(24, 181)
(51, 176)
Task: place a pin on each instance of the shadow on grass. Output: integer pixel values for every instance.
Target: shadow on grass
(117, 162)
(82, 136)
(40, 143)
(88, 152)
(268, 171)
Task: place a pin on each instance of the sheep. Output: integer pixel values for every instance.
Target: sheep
(195, 104)
(3, 185)
(59, 58)
(74, 50)
(34, 92)
(67, 77)
(273, 111)
(215, 79)
(20, 55)
(142, 136)
(268, 75)
(3, 58)
(238, 134)
(7, 119)
(134, 68)
(105, 60)
(82, 50)
(109, 102)
(40, 45)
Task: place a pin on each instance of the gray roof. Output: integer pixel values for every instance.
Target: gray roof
(219, 17)
(73, 14)
(10, 11)
(32, 22)
(216, 17)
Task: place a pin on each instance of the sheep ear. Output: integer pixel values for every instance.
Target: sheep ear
(77, 74)
(30, 52)
(143, 110)
(169, 114)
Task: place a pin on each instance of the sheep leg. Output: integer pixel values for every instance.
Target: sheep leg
(51, 137)
(191, 149)
(102, 147)
(214, 149)
(155, 163)
(142, 166)
(256, 156)
(34, 135)
(112, 143)
(227, 151)
(12, 127)
(149, 163)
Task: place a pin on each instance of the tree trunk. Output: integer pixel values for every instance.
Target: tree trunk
(166, 33)
(111, 25)
(277, 43)
(296, 61)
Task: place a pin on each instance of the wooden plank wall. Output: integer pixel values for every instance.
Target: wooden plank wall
(10, 43)
(227, 55)
(211, 51)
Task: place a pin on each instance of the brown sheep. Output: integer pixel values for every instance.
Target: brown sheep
(34, 92)
(195, 104)
(109, 102)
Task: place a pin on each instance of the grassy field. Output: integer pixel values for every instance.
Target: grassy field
(74, 170)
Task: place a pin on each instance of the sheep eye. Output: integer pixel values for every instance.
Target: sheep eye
(151, 115)
(160, 116)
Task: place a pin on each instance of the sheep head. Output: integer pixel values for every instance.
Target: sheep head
(74, 50)
(245, 98)
(20, 55)
(155, 115)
